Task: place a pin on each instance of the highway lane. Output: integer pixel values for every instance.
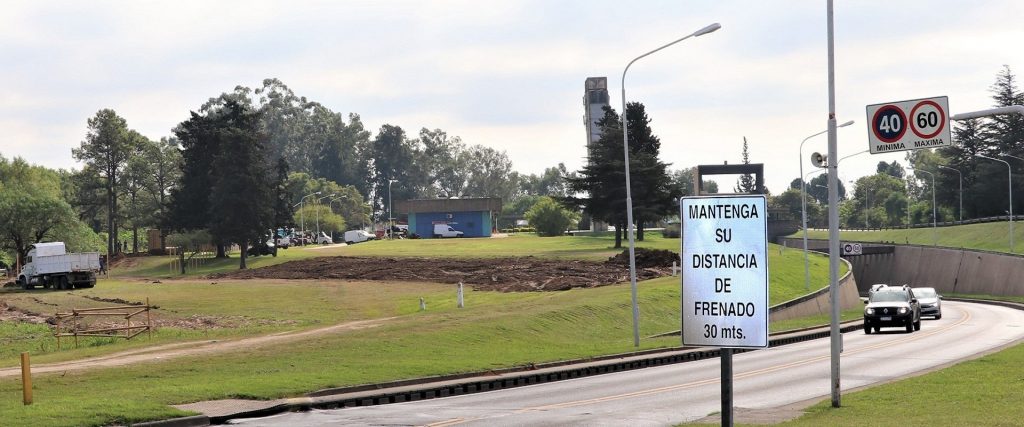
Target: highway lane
(684, 392)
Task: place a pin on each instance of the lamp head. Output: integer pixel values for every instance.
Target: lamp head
(846, 124)
(708, 29)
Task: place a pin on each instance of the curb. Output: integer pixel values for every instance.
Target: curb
(476, 382)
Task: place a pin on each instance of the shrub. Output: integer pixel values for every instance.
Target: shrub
(550, 218)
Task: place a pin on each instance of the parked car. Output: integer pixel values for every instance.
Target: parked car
(445, 230)
(931, 302)
(265, 247)
(355, 236)
(324, 239)
(892, 306)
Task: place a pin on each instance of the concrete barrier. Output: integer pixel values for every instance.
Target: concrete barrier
(819, 302)
(948, 270)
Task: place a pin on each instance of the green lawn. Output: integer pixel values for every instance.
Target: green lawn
(494, 330)
(990, 236)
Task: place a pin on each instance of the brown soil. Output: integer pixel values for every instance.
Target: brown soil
(498, 274)
(15, 314)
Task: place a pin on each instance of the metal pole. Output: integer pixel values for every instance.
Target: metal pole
(727, 420)
(391, 234)
(1009, 172)
(833, 214)
(629, 194)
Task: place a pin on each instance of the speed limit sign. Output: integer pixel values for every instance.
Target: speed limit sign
(908, 125)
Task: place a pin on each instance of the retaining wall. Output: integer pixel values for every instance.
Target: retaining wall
(947, 270)
(820, 302)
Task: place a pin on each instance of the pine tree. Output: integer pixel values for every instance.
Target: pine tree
(1006, 132)
(745, 184)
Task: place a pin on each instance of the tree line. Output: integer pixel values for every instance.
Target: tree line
(894, 196)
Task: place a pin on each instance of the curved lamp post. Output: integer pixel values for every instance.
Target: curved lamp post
(302, 214)
(391, 225)
(629, 199)
(961, 210)
(1009, 191)
(318, 215)
(803, 205)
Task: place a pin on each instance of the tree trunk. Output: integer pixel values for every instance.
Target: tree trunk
(640, 231)
(110, 218)
(135, 239)
(241, 263)
(618, 235)
(181, 257)
(220, 251)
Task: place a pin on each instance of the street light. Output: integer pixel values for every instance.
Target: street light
(1009, 172)
(961, 190)
(803, 205)
(318, 215)
(391, 225)
(629, 199)
(935, 236)
(302, 214)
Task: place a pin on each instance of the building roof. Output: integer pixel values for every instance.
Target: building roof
(492, 204)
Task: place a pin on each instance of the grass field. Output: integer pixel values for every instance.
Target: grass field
(494, 330)
(990, 236)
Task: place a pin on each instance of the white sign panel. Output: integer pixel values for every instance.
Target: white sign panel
(725, 271)
(909, 125)
(852, 249)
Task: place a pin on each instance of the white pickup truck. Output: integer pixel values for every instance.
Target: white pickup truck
(49, 265)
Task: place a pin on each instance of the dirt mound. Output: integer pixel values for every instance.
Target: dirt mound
(647, 258)
(500, 274)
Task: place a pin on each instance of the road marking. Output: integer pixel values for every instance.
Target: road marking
(916, 337)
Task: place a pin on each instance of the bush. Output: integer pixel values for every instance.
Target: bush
(549, 218)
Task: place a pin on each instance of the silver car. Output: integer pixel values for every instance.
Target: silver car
(931, 302)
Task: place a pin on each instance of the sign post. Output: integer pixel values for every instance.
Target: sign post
(908, 125)
(725, 278)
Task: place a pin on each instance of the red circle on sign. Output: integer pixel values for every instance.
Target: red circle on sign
(942, 119)
(903, 123)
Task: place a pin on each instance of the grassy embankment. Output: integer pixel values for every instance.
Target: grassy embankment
(989, 236)
(495, 330)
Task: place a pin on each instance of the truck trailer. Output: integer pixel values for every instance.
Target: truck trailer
(50, 266)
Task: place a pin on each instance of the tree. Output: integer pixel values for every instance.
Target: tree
(393, 158)
(550, 218)
(1006, 132)
(106, 148)
(746, 184)
(243, 190)
(166, 168)
(892, 169)
(683, 180)
(490, 174)
(445, 160)
(599, 188)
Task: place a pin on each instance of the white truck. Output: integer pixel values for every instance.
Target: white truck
(355, 236)
(50, 266)
(445, 230)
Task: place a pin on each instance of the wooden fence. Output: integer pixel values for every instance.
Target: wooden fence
(70, 324)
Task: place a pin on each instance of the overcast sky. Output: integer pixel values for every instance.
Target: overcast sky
(506, 74)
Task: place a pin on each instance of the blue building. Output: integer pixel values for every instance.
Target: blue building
(473, 217)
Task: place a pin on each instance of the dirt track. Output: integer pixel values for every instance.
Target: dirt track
(500, 274)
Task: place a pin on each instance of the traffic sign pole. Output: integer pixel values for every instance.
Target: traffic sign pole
(833, 213)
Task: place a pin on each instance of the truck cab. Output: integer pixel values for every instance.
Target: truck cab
(50, 266)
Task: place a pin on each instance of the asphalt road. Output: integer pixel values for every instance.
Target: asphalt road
(684, 392)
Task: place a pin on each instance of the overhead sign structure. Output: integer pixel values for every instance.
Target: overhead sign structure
(852, 249)
(725, 271)
(909, 125)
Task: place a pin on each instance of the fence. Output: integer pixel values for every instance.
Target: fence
(70, 324)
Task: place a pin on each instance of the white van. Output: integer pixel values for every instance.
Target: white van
(356, 236)
(445, 230)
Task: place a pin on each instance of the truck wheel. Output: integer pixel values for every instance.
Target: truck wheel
(62, 282)
(24, 284)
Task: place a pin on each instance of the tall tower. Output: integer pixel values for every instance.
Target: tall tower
(595, 98)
